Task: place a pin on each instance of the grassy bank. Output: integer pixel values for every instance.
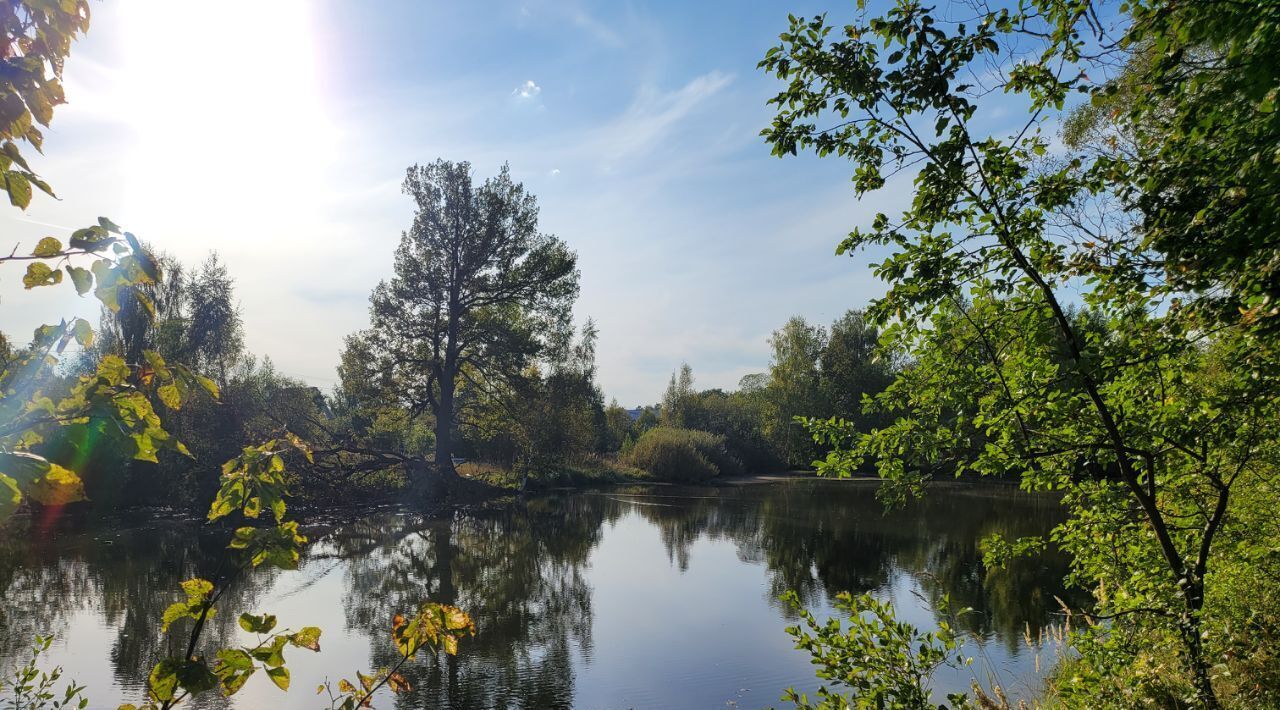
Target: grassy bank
(582, 473)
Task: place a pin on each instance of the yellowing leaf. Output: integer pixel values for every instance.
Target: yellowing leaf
(39, 274)
(58, 486)
(10, 496)
(279, 676)
(300, 445)
(47, 247)
(308, 637)
(170, 396)
(197, 588)
(113, 369)
(19, 189)
(398, 683)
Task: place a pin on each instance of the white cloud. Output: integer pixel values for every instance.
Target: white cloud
(527, 90)
(654, 116)
(554, 172)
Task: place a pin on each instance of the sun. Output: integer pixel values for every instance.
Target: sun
(226, 103)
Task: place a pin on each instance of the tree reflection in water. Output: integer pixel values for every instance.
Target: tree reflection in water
(522, 570)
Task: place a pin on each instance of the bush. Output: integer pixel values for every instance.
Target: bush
(673, 454)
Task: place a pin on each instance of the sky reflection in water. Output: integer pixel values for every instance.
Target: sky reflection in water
(628, 597)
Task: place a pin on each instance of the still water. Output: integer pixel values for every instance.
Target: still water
(645, 597)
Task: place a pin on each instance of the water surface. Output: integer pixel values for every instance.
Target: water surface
(645, 597)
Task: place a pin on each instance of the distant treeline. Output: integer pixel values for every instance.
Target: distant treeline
(548, 420)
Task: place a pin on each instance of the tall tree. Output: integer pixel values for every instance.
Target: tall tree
(476, 290)
(676, 398)
(1151, 424)
(794, 388)
(852, 367)
(215, 331)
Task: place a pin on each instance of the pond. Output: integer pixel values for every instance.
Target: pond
(631, 597)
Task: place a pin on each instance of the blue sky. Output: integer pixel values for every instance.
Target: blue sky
(278, 133)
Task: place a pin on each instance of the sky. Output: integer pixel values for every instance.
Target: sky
(277, 133)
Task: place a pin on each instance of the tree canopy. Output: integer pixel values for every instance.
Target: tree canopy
(476, 289)
(1159, 230)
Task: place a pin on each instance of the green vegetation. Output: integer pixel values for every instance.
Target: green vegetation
(474, 281)
(672, 454)
(30, 687)
(881, 661)
(52, 422)
(1095, 317)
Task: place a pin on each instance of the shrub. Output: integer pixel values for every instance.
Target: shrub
(673, 454)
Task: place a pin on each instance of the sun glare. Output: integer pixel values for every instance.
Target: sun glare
(227, 103)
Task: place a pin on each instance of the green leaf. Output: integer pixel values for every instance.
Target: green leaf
(164, 679)
(10, 496)
(279, 676)
(145, 262)
(93, 238)
(83, 332)
(47, 247)
(113, 369)
(197, 591)
(197, 587)
(39, 274)
(23, 467)
(195, 677)
(58, 486)
(81, 278)
(169, 396)
(19, 188)
(38, 478)
(271, 655)
(234, 658)
(257, 624)
(145, 301)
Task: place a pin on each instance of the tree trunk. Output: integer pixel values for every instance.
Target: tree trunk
(444, 431)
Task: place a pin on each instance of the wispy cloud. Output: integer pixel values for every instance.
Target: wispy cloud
(597, 29)
(654, 115)
(527, 90)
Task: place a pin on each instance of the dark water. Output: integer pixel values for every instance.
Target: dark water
(633, 597)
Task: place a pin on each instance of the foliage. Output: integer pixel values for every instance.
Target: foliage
(434, 627)
(672, 454)
(37, 40)
(875, 661)
(29, 688)
(676, 400)
(117, 397)
(853, 368)
(739, 417)
(118, 392)
(196, 322)
(475, 290)
(547, 416)
(1146, 411)
(251, 483)
(794, 388)
(617, 427)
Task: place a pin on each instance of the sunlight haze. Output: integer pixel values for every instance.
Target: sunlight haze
(278, 133)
